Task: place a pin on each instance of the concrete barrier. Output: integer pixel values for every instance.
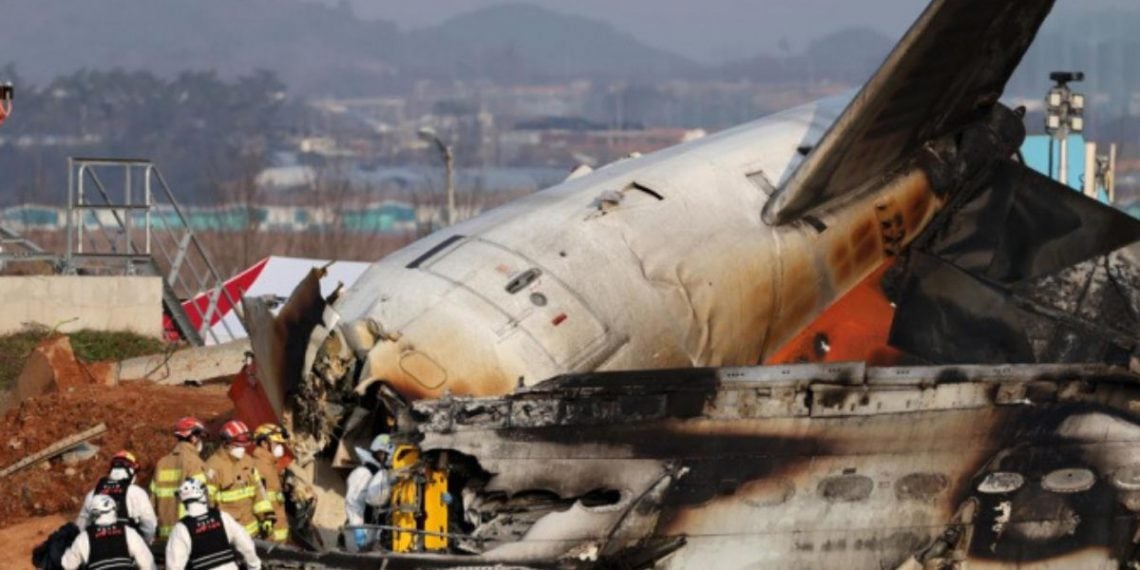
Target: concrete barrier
(70, 303)
(200, 363)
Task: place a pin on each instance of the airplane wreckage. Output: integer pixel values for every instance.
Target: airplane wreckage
(600, 375)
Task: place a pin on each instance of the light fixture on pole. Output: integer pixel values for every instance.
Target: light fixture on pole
(429, 135)
(1064, 115)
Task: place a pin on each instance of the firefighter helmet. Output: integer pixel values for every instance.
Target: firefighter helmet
(272, 432)
(188, 427)
(235, 431)
(126, 459)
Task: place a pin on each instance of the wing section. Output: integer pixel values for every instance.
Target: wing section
(948, 71)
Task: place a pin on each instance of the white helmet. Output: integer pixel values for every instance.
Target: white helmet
(102, 504)
(104, 510)
(382, 442)
(192, 490)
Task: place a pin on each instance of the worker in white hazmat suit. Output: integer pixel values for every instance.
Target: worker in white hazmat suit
(368, 492)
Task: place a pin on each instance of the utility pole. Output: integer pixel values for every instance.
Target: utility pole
(428, 134)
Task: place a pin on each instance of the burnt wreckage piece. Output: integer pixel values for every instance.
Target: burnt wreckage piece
(1019, 268)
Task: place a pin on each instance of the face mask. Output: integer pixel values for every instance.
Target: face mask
(119, 473)
(237, 452)
(198, 446)
(278, 450)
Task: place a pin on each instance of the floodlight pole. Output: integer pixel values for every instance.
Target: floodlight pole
(1063, 117)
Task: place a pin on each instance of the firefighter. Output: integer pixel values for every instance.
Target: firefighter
(206, 537)
(109, 543)
(131, 503)
(234, 482)
(368, 490)
(269, 441)
(182, 462)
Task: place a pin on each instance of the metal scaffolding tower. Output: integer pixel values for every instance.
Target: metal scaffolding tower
(142, 231)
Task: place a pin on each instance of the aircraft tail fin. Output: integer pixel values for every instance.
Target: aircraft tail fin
(947, 72)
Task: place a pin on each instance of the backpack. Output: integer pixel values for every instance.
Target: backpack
(49, 554)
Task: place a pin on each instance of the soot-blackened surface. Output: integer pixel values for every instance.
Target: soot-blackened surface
(1046, 524)
(718, 463)
(976, 284)
(687, 390)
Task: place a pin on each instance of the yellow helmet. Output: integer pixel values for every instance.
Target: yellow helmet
(271, 432)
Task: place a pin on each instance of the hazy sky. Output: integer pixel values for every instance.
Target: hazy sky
(706, 30)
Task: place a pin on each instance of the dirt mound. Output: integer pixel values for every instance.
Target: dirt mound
(139, 417)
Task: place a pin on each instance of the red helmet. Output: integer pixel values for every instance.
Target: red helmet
(125, 458)
(234, 431)
(187, 427)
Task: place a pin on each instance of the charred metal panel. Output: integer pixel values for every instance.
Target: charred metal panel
(838, 401)
(1022, 269)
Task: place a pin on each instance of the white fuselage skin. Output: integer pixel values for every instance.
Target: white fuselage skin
(659, 261)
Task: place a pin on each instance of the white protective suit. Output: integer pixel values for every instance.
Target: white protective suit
(178, 545)
(76, 555)
(364, 489)
(139, 508)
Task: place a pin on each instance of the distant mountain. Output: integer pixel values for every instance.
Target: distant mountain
(847, 56)
(306, 44)
(529, 41)
(315, 48)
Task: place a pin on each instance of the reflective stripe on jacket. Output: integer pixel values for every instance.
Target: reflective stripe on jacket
(169, 473)
(267, 466)
(235, 487)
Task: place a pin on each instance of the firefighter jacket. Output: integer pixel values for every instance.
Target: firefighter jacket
(108, 547)
(132, 502)
(271, 477)
(183, 462)
(207, 540)
(235, 487)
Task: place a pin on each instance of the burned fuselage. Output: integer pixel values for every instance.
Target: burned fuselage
(802, 466)
(805, 466)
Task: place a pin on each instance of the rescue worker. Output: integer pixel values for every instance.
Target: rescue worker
(182, 462)
(234, 482)
(368, 491)
(269, 441)
(131, 502)
(109, 543)
(207, 539)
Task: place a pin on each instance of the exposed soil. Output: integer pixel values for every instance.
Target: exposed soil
(139, 418)
(21, 538)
